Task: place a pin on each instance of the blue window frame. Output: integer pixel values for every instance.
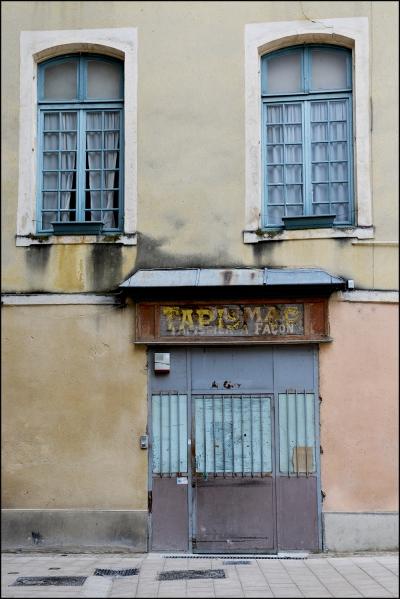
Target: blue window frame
(307, 137)
(80, 125)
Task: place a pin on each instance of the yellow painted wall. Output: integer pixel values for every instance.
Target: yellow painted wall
(359, 409)
(191, 142)
(74, 406)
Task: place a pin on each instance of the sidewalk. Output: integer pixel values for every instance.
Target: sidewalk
(371, 575)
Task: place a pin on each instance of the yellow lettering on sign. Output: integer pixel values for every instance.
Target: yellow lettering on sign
(253, 313)
(291, 315)
(231, 318)
(186, 319)
(171, 313)
(205, 316)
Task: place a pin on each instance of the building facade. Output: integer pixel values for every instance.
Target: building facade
(200, 245)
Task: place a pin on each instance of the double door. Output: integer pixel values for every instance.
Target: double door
(233, 462)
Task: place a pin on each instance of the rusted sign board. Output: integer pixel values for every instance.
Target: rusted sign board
(216, 322)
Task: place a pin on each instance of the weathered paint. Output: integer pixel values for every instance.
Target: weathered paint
(198, 188)
(203, 322)
(74, 408)
(359, 409)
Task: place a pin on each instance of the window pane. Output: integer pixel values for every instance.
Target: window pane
(339, 192)
(111, 179)
(94, 178)
(322, 209)
(284, 73)
(93, 141)
(48, 218)
(320, 193)
(274, 134)
(51, 141)
(51, 121)
(319, 132)
(328, 69)
(338, 110)
(275, 194)
(293, 173)
(111, 120)
(50, 181)
(94, 120)
(319, 151)
(294, 210)
(67, 180)
(275, 214)
(275, 174)
(274, 154)
(319, 111)
(292, 134)
(294, 194)
(275, 113)
(50, 200)
(338, 131)
(338, 171)
(104, 80)
(342, 212)
(50, 160)
(320, 172)
(68, 121)
(60, 81)
(68, 160)
(68, 141)
(294, 153)
(338, 150)
(293, 113)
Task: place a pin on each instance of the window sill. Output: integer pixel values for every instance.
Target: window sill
(118, 238)
(256, 236)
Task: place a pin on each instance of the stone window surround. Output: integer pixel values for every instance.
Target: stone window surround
(261, 38)
(36, 46)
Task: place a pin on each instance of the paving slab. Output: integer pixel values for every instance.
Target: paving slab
(368, 575)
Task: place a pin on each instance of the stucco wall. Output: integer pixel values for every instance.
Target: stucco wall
(74, 406)
(359, 409)
(191, 166)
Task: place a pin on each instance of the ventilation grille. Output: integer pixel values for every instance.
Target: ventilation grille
(116, 573)
(190, 574)
(45, 581)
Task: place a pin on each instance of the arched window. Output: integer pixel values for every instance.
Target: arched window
(307, 137)
(80, 125)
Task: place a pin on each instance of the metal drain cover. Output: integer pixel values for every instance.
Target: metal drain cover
(235, 562)
(190, 574)
(116, 573)
(46, 581)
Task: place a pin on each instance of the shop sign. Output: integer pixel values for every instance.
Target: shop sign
(231, 320)
(203, 322)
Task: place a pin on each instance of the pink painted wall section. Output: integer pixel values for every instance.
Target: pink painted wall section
(359, 410)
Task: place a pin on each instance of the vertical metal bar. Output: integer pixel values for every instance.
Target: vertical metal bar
(241, 431)
(205, 436)
(169, 435)
(213, 429)
(305, 430)
(161, 455)
(251, 435)
(223, 435)
(297, 436)
(287, 432)
(233, 441)
(178, 467)
(261, 440)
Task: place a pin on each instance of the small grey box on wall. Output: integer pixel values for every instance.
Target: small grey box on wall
(162, 362)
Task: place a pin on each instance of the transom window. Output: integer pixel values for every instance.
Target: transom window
(307, 137)
(80, 100)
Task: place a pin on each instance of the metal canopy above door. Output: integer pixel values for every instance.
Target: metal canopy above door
(234, 465)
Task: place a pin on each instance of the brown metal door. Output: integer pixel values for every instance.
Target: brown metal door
(232, 473)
